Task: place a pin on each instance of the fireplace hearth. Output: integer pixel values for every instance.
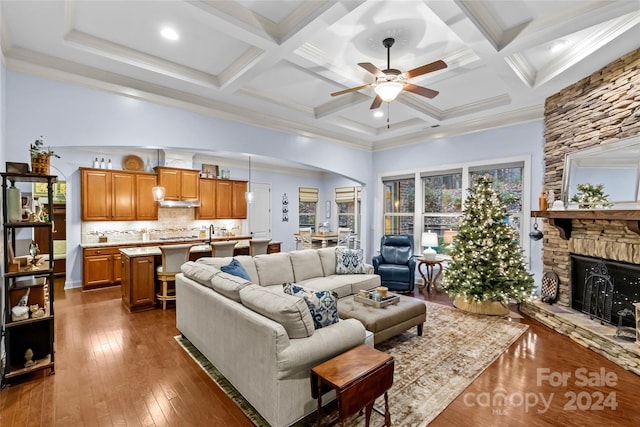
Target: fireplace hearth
(604, 289)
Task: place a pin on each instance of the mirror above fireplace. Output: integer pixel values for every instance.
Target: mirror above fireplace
(616, 165)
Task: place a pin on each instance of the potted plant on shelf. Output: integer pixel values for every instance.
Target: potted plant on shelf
(41, 158)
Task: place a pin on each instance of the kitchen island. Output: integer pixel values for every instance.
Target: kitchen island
(138, 274)
(101, 266)
(138, 270)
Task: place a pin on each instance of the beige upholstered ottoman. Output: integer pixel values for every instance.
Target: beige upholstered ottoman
(385, 322)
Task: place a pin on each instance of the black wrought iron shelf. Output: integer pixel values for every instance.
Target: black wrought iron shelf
(33, 335)
(27, 224)
(24, 273)
(29, 177)
(44, 363)
(562, 219)
(29, 321)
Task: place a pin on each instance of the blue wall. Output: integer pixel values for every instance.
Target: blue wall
(72, 116)
(523, 140)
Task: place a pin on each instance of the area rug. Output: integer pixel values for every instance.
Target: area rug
(430, 371)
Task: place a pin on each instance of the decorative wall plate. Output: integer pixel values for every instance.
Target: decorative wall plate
(132, 163)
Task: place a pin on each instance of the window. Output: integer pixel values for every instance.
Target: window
(307, 205)
(507, 180)
(348, 203)
(441, 195)
(442, 207)
(399, 205)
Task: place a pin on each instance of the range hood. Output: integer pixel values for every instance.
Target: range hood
(179, 203)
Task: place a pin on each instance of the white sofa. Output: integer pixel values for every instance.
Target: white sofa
(268, 357)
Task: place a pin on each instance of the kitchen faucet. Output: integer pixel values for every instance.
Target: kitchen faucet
(211, 232)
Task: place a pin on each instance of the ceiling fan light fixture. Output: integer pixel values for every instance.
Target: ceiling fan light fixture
(388, 91)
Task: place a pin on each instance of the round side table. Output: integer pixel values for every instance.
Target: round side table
(429, 280)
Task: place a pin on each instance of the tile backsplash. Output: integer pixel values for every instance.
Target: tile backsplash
(172, 222)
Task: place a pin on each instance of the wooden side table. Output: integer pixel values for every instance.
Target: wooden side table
(432, 276)
(358, 376)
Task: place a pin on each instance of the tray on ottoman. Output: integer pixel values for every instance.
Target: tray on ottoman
(389, 300)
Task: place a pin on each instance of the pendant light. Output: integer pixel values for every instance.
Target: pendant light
(158, 191)
(249, 194)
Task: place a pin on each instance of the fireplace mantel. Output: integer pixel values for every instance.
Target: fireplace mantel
(562, 219)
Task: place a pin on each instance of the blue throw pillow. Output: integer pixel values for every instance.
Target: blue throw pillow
(323, 305)
(236, 269)
(350, 261)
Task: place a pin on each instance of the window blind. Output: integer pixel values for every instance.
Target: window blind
(307, 194)
(345, 194)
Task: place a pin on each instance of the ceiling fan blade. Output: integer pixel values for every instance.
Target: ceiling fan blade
(428, 68)
(371, 68)
(353, 89)
(419, 90)
(377, 102)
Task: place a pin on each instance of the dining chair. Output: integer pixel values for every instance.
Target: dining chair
(223, 249)
(344, 237)
(304, 236)
(173, 256)
(258, 246)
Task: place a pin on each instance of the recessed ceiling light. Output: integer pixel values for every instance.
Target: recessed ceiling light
(169, 33)
(378, 114)
(558, 45)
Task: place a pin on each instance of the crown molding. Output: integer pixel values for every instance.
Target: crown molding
(138, 59)
(522, 68)
(588, 46)
(456, 129)
(363, 138)
(33, 63)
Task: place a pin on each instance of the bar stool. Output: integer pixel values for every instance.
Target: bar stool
(223, 249)
(173, 256)
(258, 246)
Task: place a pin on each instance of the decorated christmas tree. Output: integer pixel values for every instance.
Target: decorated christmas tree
(487, 263)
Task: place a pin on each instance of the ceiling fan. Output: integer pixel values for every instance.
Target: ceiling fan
(390, 82)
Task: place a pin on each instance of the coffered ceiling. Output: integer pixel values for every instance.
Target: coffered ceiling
(275, 63)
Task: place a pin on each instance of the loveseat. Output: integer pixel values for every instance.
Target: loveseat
(261, 339)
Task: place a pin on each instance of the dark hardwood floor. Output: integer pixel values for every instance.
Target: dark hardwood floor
(116, 368)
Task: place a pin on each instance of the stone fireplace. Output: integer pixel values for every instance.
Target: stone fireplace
(599, 109)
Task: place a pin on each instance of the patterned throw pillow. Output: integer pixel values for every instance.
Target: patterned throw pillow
(350, 261)
(323, 305)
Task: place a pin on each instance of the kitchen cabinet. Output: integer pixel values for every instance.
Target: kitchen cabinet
(96, 194)
(238, 200)
(123, 196)
(146, 207)
(230, 199)
(109, 195)
(27, 332)
(208, 196)
(179, 184)
(138, 284)
(100, 267)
